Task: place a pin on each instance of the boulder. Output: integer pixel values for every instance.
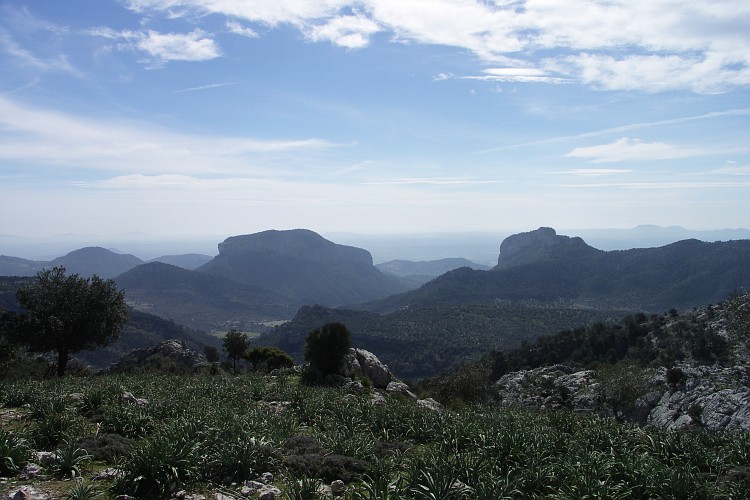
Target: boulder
(268, 492)
(27, 493)
(170, 355)
(430, 404)
(364, 364)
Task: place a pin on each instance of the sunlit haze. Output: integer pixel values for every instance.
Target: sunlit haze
(375, 116)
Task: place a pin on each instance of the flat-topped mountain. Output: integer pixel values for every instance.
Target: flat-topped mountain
(541, 266)
(302, 265)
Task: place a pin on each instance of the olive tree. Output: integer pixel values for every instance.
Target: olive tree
(326, 347)
(66, 314)
(235, 345)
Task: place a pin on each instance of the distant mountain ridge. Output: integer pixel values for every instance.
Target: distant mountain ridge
(199, 300)
(302, 265)
(543, 266)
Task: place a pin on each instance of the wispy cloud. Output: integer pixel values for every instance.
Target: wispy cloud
(666, 185)
(24, 56)
(623, 128)
(628, 149)
(239, 29)
(435, 181)
(40, 136)
(731, 168)
(523, 75)
(205, 87)
(702, 46)
(593, 172)
(164, 47)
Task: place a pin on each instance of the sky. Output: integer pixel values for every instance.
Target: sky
(372, 116)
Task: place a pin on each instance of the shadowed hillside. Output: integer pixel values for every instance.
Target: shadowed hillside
(543, 266)
(303, 266)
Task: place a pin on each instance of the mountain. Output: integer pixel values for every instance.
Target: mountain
(416, 273)
(199, 300)
(649, 236)
(188, 261)
(96, 260)
(303, 266)
(542, 266)
(15, 266)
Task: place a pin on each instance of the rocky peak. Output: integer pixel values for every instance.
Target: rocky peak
(540, 244)
(301, 244)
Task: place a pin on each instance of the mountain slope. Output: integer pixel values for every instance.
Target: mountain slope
(16, 266)
(96, 260)
(189, 261)
(200, 300)
(302, 265)
(542, 266)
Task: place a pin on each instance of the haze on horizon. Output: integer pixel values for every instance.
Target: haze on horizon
(375, 116)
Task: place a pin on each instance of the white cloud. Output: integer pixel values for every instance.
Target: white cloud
(434, 181)
(666, 185)
(164, 47)
(627, 149)
(523, 75)
(39, 136)
(204, 87)
(700, 45)
(352, 32)
(239, 29)
(593, 172)
(732, 169)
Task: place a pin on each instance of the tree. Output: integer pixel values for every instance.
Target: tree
(268, 358)
(212, 353)
(621, 385)
(326, 347)
(235, 345)
(68, 314)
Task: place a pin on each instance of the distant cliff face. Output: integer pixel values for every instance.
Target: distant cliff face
(300, 244)
(304, 266)
(536, 245)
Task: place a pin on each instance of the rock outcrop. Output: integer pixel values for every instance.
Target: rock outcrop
(170, 355)
(710, 397)
(365, 365)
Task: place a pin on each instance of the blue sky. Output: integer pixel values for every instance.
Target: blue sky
(373, 116)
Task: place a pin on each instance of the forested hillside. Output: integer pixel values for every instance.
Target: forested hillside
(422, 342)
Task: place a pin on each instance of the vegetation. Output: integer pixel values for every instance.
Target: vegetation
(418, 343)
(235, 345)
(67, 314)
(203, 433)
(267, 359)
(326, 347)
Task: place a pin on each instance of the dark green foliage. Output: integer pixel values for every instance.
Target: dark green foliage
(67, 314)
(211, 353)
(621, 385)
(417, 343)
(207, 432)
(14, 453)
(326, 347)
(235, 345)
(69, 460)
(266, 358)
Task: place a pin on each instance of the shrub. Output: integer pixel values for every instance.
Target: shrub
(266, 358)
(326, 347)
(14, 453)
(675, 376)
